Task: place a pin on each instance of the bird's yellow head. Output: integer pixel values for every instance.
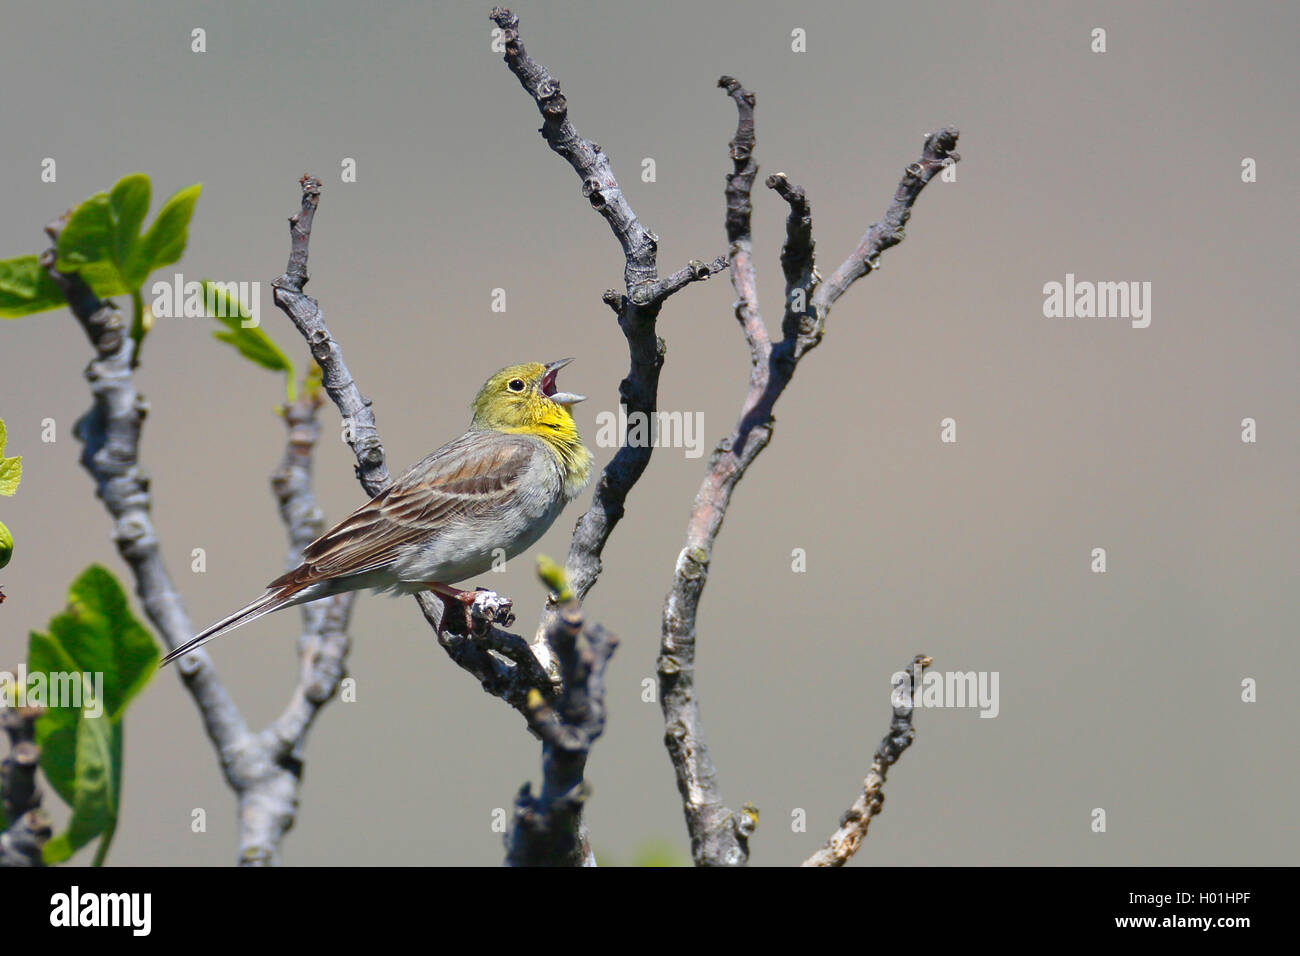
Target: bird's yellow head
(523, 399)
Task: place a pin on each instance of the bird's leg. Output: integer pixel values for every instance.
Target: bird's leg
(450, 596)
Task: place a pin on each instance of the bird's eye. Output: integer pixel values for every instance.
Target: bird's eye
(516, 385)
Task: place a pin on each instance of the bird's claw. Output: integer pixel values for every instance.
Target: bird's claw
(490, 607)
(479, 607)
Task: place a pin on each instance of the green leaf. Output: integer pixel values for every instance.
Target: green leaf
(99, 633)
(127, 205)
(251, 342)
(95, 658)
(165, 241)
(11, 472)
(56, 730)
(87, 237)
(26, 288)
(102, 240)
(255, 345)
(98, 756)
(553, 576)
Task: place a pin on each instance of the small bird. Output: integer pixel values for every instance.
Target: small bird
(495, 489)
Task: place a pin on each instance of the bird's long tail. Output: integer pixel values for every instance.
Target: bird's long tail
(272, 600)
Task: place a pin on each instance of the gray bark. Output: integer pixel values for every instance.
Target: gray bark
(262, 767)
(720, 835)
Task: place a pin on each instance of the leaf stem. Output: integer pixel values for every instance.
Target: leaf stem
(105, 841)
(137, 325)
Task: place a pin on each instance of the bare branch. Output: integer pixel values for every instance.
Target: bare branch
(264, 769)
(848, 837)
(660, 289)
(887, 232)
(637, 308)
(718, 835)
(322, 651)
(740, 208)
(547, 829)
(21, 844)
(362, 434)
(110, 434)
(796, 256)
(323, 644)
(599, 187)
(268, 800)
(29, 827)
(19, 791)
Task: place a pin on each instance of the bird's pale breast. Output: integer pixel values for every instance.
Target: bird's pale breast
(466, 547)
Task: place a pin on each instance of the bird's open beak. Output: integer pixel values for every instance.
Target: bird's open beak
(548, 385)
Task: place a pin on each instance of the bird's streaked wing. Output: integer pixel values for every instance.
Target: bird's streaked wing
(463, 479)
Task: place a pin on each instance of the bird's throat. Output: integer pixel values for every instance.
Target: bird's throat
(561, 436)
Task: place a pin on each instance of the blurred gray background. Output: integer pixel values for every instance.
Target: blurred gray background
(1120, 691)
